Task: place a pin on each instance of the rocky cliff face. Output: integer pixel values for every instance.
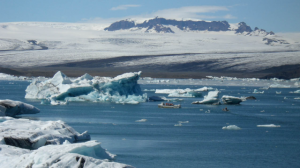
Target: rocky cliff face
(160, 25)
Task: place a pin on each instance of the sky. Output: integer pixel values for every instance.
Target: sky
(271, 15)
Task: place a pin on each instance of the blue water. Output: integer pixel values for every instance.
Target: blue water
(200, 143)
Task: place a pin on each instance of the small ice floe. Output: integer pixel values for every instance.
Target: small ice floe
(297, 91)
(268, 125)
(201, 109)
(141, 120)
(231, 127)
(262, 111)
(278, 92)
(285, 98)
(208, 111)
(257, 92)
(297, 98)
(180, 123)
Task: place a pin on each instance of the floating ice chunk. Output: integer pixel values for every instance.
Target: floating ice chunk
(278, 92)
(232, 100)
(183, 92)
(297, 91)
(231, 127)
(279, 86)
(30, 134)
(149, 90)
(297, 98)
(268, 125)
(141, 120)
(211, 98)
(257, 92)
(12, 108)
(183, 122)
(178, 125)
(121, 89)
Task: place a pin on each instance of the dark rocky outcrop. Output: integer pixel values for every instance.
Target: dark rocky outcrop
(243, 27)
(123, 24)
(274, 41)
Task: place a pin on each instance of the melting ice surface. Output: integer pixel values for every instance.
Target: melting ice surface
(60, 88)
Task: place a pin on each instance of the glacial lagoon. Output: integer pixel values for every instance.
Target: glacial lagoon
(143, 135)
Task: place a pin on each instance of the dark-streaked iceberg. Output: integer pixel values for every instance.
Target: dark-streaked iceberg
(31, 134)
(53, 146)
(60, 89)
(13, 108)
(232, 100)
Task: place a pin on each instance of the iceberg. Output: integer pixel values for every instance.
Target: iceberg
(231, 127)
(211, 98)
(276, 85)
(258, 92)
(183, 92)
(59, 89)
(12, 108)
(29, 134)
(232, 100)
(269, 125)
(297, 91)
(88, 154)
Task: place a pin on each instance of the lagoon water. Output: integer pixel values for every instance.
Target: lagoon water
(199, 143)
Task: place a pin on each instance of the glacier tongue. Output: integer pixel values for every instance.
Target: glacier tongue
(121, 89)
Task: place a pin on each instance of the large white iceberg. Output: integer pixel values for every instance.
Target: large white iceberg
(52, 144)
(211, 98)
(232, 100)
(88, 154)
(12, 108)
(60, 88)
(31, 134)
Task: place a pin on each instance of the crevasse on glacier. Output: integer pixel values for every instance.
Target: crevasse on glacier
(60, 89)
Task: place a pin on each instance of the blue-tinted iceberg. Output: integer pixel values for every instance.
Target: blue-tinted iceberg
(13, 108)
(60, 88)
(211, 98)
(232, 100)
(258, 92)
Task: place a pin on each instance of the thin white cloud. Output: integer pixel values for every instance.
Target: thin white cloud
(186, 13)
(193, 12)
(124, 7)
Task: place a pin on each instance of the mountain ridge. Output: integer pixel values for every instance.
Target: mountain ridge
(160, 25)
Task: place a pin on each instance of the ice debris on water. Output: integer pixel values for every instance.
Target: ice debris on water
(141, 120)
(269, 125)
(258, 92)
(180, 123)
(231, 127)
(59, 89)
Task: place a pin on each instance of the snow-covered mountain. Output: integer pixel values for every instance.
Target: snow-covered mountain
(162, 25)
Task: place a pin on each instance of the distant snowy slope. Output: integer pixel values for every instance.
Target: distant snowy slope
(31, 44)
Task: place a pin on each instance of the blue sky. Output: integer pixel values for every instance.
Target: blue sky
(275, 15)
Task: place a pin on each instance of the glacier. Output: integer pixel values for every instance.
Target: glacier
(61, 89)
(211, 98)
(13, 108)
